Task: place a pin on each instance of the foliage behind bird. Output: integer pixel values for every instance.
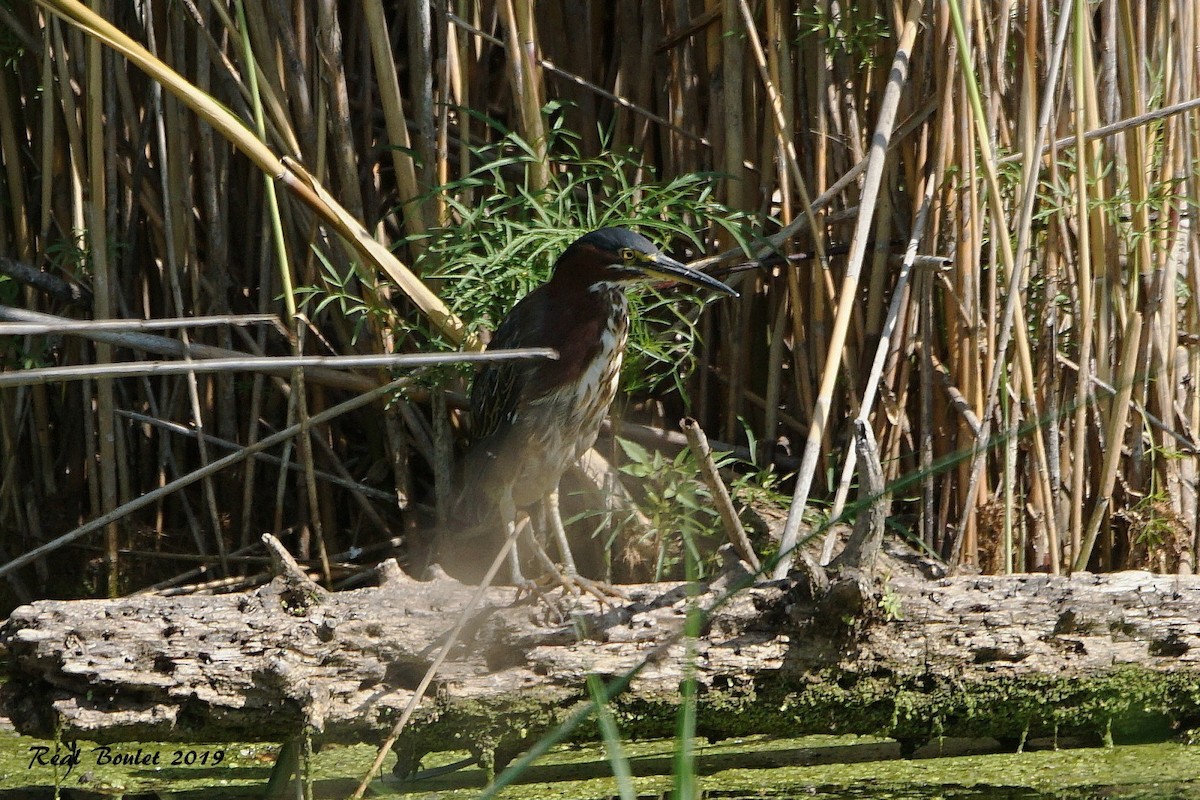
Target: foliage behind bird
(533, 419)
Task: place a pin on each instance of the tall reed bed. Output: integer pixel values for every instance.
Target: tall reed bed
(966, 222)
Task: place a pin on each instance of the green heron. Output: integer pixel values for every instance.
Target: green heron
(532, 419)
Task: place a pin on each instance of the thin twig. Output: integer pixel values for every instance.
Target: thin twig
(105, 325)
(698, 443)
(272, 364)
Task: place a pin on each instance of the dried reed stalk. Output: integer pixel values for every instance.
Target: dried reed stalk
(1061, 190)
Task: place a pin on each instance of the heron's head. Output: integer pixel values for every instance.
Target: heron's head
(616, 256)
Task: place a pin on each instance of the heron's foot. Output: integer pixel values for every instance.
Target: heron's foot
(575, 584)
(539, 594)
(571, 581)
(526, 588)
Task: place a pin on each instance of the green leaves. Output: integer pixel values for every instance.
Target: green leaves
(503, 237)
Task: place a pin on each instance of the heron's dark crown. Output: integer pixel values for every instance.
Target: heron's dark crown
(599, 253)
(613, 240)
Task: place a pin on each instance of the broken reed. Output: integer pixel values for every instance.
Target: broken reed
(1091, 405)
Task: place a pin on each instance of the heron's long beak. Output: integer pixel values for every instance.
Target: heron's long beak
(669, 269)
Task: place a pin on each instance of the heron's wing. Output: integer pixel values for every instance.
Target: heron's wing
(497, 389)
(494, 395)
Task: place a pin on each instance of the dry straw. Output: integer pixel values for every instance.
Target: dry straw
(1045, 152)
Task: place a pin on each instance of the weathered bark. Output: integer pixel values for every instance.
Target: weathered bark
(999, 656)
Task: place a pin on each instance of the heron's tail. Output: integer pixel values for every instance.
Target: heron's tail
(478, 487)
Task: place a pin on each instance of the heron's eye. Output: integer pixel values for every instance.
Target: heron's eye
(628, 255)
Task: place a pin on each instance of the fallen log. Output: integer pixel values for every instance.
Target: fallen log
(1007, 657)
